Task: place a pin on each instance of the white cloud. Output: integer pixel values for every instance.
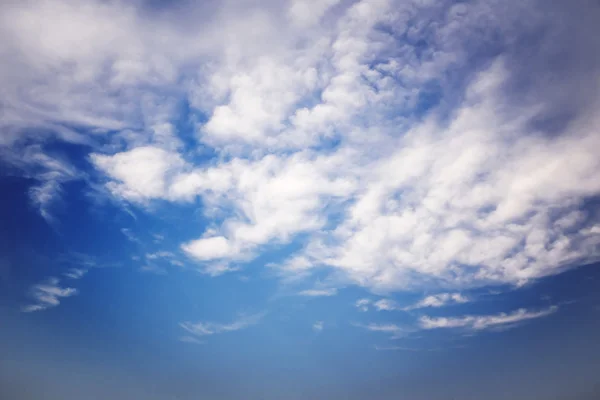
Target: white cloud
(75, 273)
(159, 254)
(386, 305)
(363, 304)
(439, 300)
(216, 269)
(317, 132)
(47, 295)
(209, 248)
(306, 13)
(190, 339)
(483, 322)
(199, 329)
(318, 292)
(318, 326)
(130, 235)
(139, 174)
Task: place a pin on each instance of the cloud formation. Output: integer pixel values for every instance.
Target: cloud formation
(47, 295)
(483, 322)
(439, 300)
(392, 142)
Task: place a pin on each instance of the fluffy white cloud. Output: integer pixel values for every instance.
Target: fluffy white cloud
(306, 13)
(141, 173)
(47, 295)
(396, 165)
(209, 248)
(482, 322)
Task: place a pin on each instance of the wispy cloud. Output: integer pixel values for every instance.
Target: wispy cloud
(318, 292)
(437, 300)
(396, 331)
(130, 235)
(153, 269)
(217, 269)
(47, 295)
(200, 329)
(483, 322)
(160, 254)
(190, 339)
(75, 273)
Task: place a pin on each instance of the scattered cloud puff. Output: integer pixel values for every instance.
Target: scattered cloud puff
(439, 300)
(388, 164)
(363, 304)
(483, 322)
(318, 326)
(47, 295)
(199, 329)
(386, 305)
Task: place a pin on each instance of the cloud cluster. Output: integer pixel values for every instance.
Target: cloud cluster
(392, 141)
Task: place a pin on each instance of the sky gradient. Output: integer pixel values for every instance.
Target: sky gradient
(320, 199)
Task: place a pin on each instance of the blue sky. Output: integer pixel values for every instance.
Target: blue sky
(303, 199)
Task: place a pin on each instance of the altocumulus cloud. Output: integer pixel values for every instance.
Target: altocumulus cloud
(391, 164)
